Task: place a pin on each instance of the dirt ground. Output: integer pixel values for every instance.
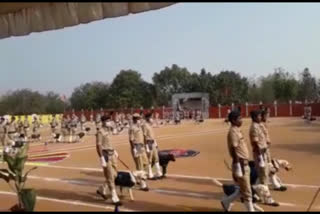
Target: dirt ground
(70, 185)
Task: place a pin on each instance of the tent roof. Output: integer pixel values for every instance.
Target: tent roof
(19, 19)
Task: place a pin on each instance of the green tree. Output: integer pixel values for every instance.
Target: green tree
(254, 95)
(92, 95)
(285, 86)
(231, 87)
(307, 86)
(23, 101)
(54, 104)
(170, 81)
(128, 90)
(266, 90)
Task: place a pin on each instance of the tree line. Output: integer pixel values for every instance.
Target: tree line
(129, 90)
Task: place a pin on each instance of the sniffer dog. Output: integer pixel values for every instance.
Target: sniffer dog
(127, 180)
(164, 159)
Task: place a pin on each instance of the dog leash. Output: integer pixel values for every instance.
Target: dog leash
(313, 200)
(124, 164)
(227, 164)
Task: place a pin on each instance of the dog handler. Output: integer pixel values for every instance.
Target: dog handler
(238, 150)
(136, 140)
(151, 147)
(108, 158)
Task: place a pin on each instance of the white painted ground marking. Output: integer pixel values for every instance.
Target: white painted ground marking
(170, 192)
(73, 202)
(69, 181)
(199, 195)
(227, 179)
(181, 193)
(173, 175)
(289, 204)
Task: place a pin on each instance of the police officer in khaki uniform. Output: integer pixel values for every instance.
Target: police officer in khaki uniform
(73, 128)
(35, 128)
(264, 118)
(157, 118)
(108, 158)
(91, 116)
(151, 148)
(98, 120)
(129, 118)
(64, 129)
(83, 120)
(3, 131)
(20, 125)
(238, 150)
(12, 128)
(136, 140)
(26, 127)
(54, 127)
(259, 146)
(40, 121)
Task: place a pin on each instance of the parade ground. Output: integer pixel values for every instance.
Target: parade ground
(68, 175)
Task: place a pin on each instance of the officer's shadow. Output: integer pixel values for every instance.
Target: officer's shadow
(92, 173)
(139, 205)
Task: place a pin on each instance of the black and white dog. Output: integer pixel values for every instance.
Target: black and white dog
(164, 159)
(260, 192)
(126, 180)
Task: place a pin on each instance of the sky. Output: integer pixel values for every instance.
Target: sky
(249, 38)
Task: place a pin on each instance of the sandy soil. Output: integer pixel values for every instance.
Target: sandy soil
(70, 185)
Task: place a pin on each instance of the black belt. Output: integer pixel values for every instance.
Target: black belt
(264, 150)
(107, 152)
(12, 132)
(150, 141)
(138, 146)
(244, 162)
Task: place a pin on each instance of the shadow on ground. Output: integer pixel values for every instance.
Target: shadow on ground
(92, 173)
(134, 205)
(207, 195)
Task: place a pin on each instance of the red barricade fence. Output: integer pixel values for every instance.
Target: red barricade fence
(283, 110)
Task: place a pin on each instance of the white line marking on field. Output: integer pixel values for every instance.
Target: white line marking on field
(69, 181)
(199, 195)
(175, 175)
(170, 192)
(181, 193)
(226, 179)
(73, 202)
(289, 204)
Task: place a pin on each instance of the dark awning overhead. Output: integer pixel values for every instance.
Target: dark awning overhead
(19, 19)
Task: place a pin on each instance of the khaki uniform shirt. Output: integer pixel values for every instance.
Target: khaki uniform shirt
(3, 129)
(12, 126)
(26, 124)
(256, 135)
(83, 119)
(265, 131)
(103, 139)
(54, 123)
(148, 132)
(136, 134)
(237, 143)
